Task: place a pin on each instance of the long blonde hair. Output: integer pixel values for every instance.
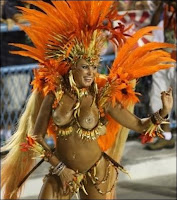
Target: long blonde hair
(17, 163)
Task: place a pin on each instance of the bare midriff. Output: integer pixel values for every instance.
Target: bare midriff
(77, 154)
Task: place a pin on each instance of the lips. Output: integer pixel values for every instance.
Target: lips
(88, 79)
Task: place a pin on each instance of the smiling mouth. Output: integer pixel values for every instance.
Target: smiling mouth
(88, 79)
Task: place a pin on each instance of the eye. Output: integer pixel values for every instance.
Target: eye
(94, 67)
(84, 66)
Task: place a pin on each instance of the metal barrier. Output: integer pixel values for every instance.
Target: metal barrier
(5, 29)
(15, 88)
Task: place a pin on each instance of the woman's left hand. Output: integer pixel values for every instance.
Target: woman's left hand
(167, 102)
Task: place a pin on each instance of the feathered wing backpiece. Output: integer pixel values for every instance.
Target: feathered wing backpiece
(17, 163)
(61, 34)
(131, 64)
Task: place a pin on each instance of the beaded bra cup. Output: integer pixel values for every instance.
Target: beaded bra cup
(67, 130)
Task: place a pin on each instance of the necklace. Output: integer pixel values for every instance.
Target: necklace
(80, 93)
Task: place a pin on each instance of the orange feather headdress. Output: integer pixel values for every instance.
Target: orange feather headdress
(65, 32)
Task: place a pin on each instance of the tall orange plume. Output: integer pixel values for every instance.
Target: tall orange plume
(132, 60)
(77, 19)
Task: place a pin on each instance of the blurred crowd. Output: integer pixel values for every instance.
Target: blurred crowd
(11, 15)
(160, 13)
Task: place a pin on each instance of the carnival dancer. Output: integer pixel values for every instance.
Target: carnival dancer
(84, 111)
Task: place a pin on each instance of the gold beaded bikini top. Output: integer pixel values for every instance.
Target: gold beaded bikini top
(83, 132)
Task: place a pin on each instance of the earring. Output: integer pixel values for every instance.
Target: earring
(73, 83)
(95, 88)
(71, 79)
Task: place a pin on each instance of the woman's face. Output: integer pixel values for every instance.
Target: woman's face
(84, 73)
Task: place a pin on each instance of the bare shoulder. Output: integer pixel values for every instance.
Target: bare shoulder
(109, 108)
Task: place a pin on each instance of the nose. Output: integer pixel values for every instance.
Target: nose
(90, 71)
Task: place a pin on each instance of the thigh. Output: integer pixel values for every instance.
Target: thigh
(92, 191)
(97, 191)
(52, 188)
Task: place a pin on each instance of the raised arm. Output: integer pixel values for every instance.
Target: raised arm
(129, 120)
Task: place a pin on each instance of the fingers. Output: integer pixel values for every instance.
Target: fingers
(69, 187)
(64, 190)
(64, 187)
(70, 181)
(170, 90)
(167, 93)
(73, 186)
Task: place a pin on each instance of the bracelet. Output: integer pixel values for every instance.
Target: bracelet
(59, 168)
(157, 119)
